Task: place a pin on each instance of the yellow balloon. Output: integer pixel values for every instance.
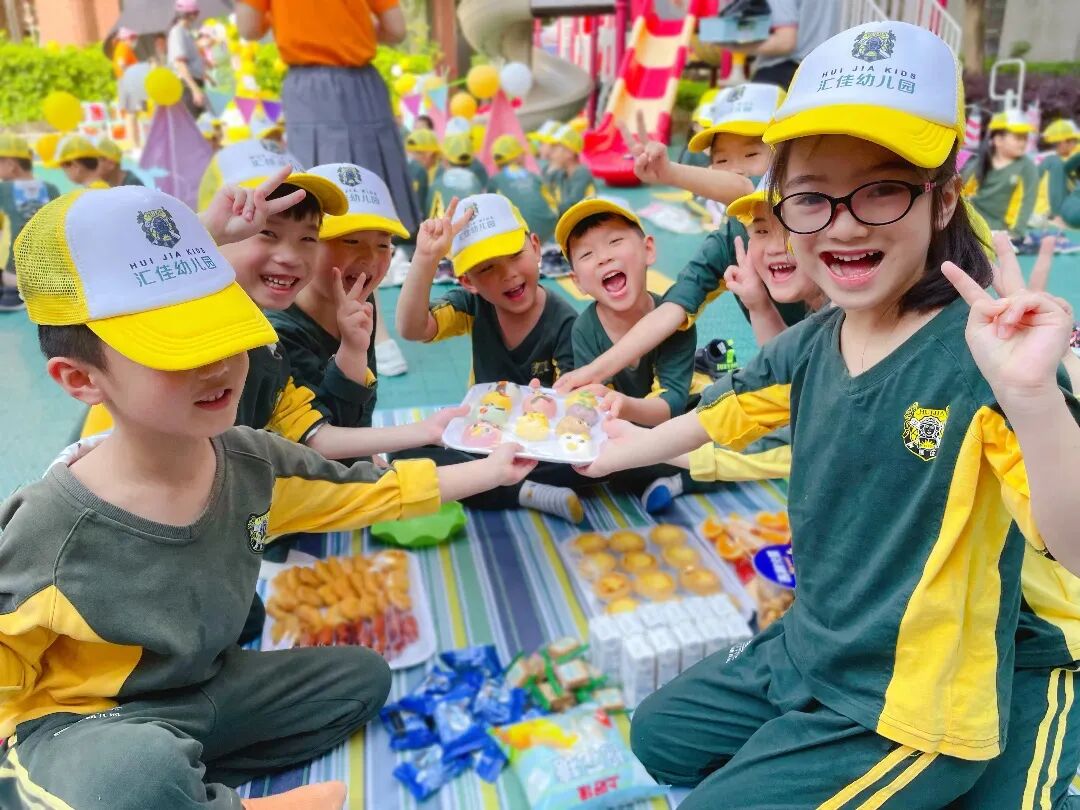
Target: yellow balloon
(462, 104)
(483, 81)
(404, 84)
(62, 110)
(163, 87)
(477, 134)
(46, 145)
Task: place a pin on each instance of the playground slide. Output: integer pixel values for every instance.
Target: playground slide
(647, 83)
(504, 29)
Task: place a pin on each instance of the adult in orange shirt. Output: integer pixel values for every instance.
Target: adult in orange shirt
(123, 55)
(337, 108)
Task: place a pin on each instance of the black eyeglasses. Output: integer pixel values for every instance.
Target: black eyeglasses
(881, 202)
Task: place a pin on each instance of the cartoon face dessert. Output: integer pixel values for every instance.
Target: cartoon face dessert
(589, 543)
(571, 424)
(625, 542)
(596, 564)
(637, 561)
(496, 400)
(492, 413)
(680, 556)
(540, 402)
(583, 397)
(574, 445)
(610, 587)
(533, 427)
(700, 581)
(481, 434)
(590, 416)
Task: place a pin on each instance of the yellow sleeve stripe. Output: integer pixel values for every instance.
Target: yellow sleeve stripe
(868, 779)
(370, 379)
(409, 489)
(691, 318)
(1002, 451)
(293, 414)
(735, 420)
(450, 322)
(1016, 201)
(905, 778)
(711, 463)
(1035, 770)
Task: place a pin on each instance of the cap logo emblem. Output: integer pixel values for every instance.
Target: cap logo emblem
(272, 146)
(159, 227)
(736, 93)
(872, 46)
(349, 175)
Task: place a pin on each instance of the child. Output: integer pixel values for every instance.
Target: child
(520, 332)
(456, 179)
(1055, 184)
(128, 569)
(570, 179)
(541, 141)
(109, 168)
(925, 395)
(78, 157)
(458, 150)
(523, 188)
(1002, 181)
(20, 198)
(738, 160)
(422, 148)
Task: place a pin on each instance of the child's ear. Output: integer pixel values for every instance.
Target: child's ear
(950, 197)
(534, 240)
(78, 379)
(574, 278)
(650, 251)
(466, 282)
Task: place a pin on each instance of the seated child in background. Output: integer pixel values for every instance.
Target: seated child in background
(109, 170)
(422, 149)
(459, 149)
(541, 139)
(524, 189)
(20, 198)
(738, 160)
(455, 178)
(424, 122)
(569, 179)
(520, 332)
(1002, 181)
(1055, 184)
(78, 157)
(129, 568)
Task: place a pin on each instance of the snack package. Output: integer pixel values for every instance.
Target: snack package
(575, 761)
(483, 658)
(459, 732)
(605, 643)
(497, 703)
(637, 669)
(489, 760)
(408, 730)
(663, 640)
(428, 772)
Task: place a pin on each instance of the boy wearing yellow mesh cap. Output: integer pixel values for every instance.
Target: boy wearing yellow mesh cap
(422, 150)
(569, 179)
(520, 332)
(78, 157)
(110, 169)
(523, 188)
(926, 415)
(20, 198)
(129, 568)
(457, 177)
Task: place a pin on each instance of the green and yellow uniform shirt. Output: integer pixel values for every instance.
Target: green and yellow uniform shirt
(481, 172)
(909, 508)
(665, 372)
(1006, 196)
(544, 354)
(531, 197)
(311, 350)
(19, 201)
(99, 606)
(130, 179)
(418, 182)
(569, 189)
(450, 183)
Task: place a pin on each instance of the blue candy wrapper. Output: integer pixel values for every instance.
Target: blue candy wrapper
(489, 761)
(459, 733)
(408, 731)
(498, 703)
(483, 658)
(427, 773)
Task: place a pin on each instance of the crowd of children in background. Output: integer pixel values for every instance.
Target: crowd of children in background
(252, 323)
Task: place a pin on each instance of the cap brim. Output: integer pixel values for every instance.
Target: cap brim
(743, 207)
(331, 199)
(189, 335)
(504, 244)
(702, 142)
(333, 227)
(586, 208)
(16, 155)
(924, 143)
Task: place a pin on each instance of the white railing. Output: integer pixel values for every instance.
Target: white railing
(929, 14)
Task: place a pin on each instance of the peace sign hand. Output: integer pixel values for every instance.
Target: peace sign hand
(355, 318)
(651, 162)
(237, 213)
(436, 235)
(743, 279)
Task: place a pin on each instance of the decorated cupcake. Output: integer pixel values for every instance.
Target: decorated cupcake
(492, 413)
(571, 424)
(533, 427)
(583, 397)
(539, 402)
(575, 446)
(590, 416)
(483, 435)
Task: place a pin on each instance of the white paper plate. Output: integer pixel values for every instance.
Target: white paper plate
(416, 653)
(547, 450)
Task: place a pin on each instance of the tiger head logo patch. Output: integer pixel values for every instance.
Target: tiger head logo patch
(159, 227)
(872, 46)
(349, 175)
(272, 146)
(923, 429)
(257, 527)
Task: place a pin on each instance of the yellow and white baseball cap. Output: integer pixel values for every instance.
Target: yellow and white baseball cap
(137, 267)
(109, 149)
(422, 140)
(248, 163)
(743, 207)
(547, 129)
(1063, 129)
(1011, 121)
(496, 229)
(505, 149)
(745, 109)
(890, 83)
(15, 146)
(569, 137)
(74, 147)
(586, 208)
(371, 208)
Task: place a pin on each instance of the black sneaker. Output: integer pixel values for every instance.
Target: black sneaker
(10, 300)
(716, 358)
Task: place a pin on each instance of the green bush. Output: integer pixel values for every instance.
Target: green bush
(689, 93)
(30, 72)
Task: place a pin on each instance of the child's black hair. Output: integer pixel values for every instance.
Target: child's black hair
(984, 160)
(77, 342)
(306, 208)
(593, 220)
(955, 241)
(26, 164)
(87, 163)
(427, 120)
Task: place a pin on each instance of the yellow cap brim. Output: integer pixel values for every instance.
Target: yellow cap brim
(333, 227)
(1015, 129)
(76, 155)
(428, 148)
(189, 335)
(923, 143)
(586, 208)
(504, 244)
(331, 199)
(743, 208)
(702, 142)
(17, 155)
(501, 159)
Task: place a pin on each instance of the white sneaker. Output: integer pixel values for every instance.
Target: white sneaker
(389, 361)
(399, 269)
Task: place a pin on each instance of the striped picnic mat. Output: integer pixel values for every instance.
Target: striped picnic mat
(503, 584)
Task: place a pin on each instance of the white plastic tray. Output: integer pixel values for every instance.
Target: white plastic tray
(416, 653)
(547, 450)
